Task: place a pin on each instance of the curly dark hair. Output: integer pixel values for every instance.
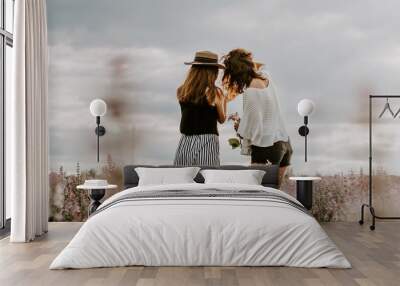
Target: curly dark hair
(239, 70)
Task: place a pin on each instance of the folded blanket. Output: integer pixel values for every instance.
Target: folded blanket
(206, 194)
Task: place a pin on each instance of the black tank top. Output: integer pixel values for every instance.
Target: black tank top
(198, 119)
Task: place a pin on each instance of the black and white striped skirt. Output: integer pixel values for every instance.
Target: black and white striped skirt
(198, 150)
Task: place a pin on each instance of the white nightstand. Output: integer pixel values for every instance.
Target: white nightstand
(95, 195)
(304, 190)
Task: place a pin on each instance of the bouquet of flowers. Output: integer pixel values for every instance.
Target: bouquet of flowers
(235, 141)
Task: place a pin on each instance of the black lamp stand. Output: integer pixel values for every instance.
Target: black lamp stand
(304, 131)
(100, 131)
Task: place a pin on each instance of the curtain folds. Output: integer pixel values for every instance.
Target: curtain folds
(27, 134)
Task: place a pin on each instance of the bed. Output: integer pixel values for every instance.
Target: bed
(197, 224)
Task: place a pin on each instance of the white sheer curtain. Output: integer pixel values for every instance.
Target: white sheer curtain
(27, 130)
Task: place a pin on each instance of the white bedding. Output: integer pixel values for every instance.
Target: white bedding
(200, 231)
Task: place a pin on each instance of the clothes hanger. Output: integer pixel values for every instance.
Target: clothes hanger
(397, 113)
(387, 107)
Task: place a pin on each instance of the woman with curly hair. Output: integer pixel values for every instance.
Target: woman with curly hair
(202, 106)
(261, 126)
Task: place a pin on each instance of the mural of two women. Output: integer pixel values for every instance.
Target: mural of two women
(261, 129)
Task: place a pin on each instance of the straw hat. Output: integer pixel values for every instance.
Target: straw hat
(205, 58)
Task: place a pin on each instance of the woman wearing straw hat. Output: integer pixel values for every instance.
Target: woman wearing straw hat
(261, 126)
(202, 106)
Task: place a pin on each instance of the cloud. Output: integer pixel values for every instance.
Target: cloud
(130, 53)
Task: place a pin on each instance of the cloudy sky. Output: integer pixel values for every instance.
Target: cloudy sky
(130, 53)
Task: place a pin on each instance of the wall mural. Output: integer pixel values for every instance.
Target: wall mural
(131, 55)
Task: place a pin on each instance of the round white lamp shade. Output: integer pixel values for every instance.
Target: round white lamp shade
(98, 107)
(305, 107)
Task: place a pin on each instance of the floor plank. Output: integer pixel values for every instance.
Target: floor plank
(375, 257)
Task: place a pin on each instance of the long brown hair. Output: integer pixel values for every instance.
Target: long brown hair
(239, 70)
(199, 85)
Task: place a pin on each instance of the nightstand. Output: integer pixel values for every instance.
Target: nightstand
(95, 195)
(304, 190)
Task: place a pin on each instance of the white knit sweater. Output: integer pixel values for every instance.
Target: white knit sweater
(262, 122)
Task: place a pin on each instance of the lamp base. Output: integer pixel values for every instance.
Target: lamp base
(100, 130)
(304, 131)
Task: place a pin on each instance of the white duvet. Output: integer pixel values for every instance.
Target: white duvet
(199, 231)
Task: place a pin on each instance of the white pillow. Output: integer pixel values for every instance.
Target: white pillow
(166, 176)
(248, 177)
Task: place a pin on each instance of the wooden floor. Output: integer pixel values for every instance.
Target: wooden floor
(375, 257)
